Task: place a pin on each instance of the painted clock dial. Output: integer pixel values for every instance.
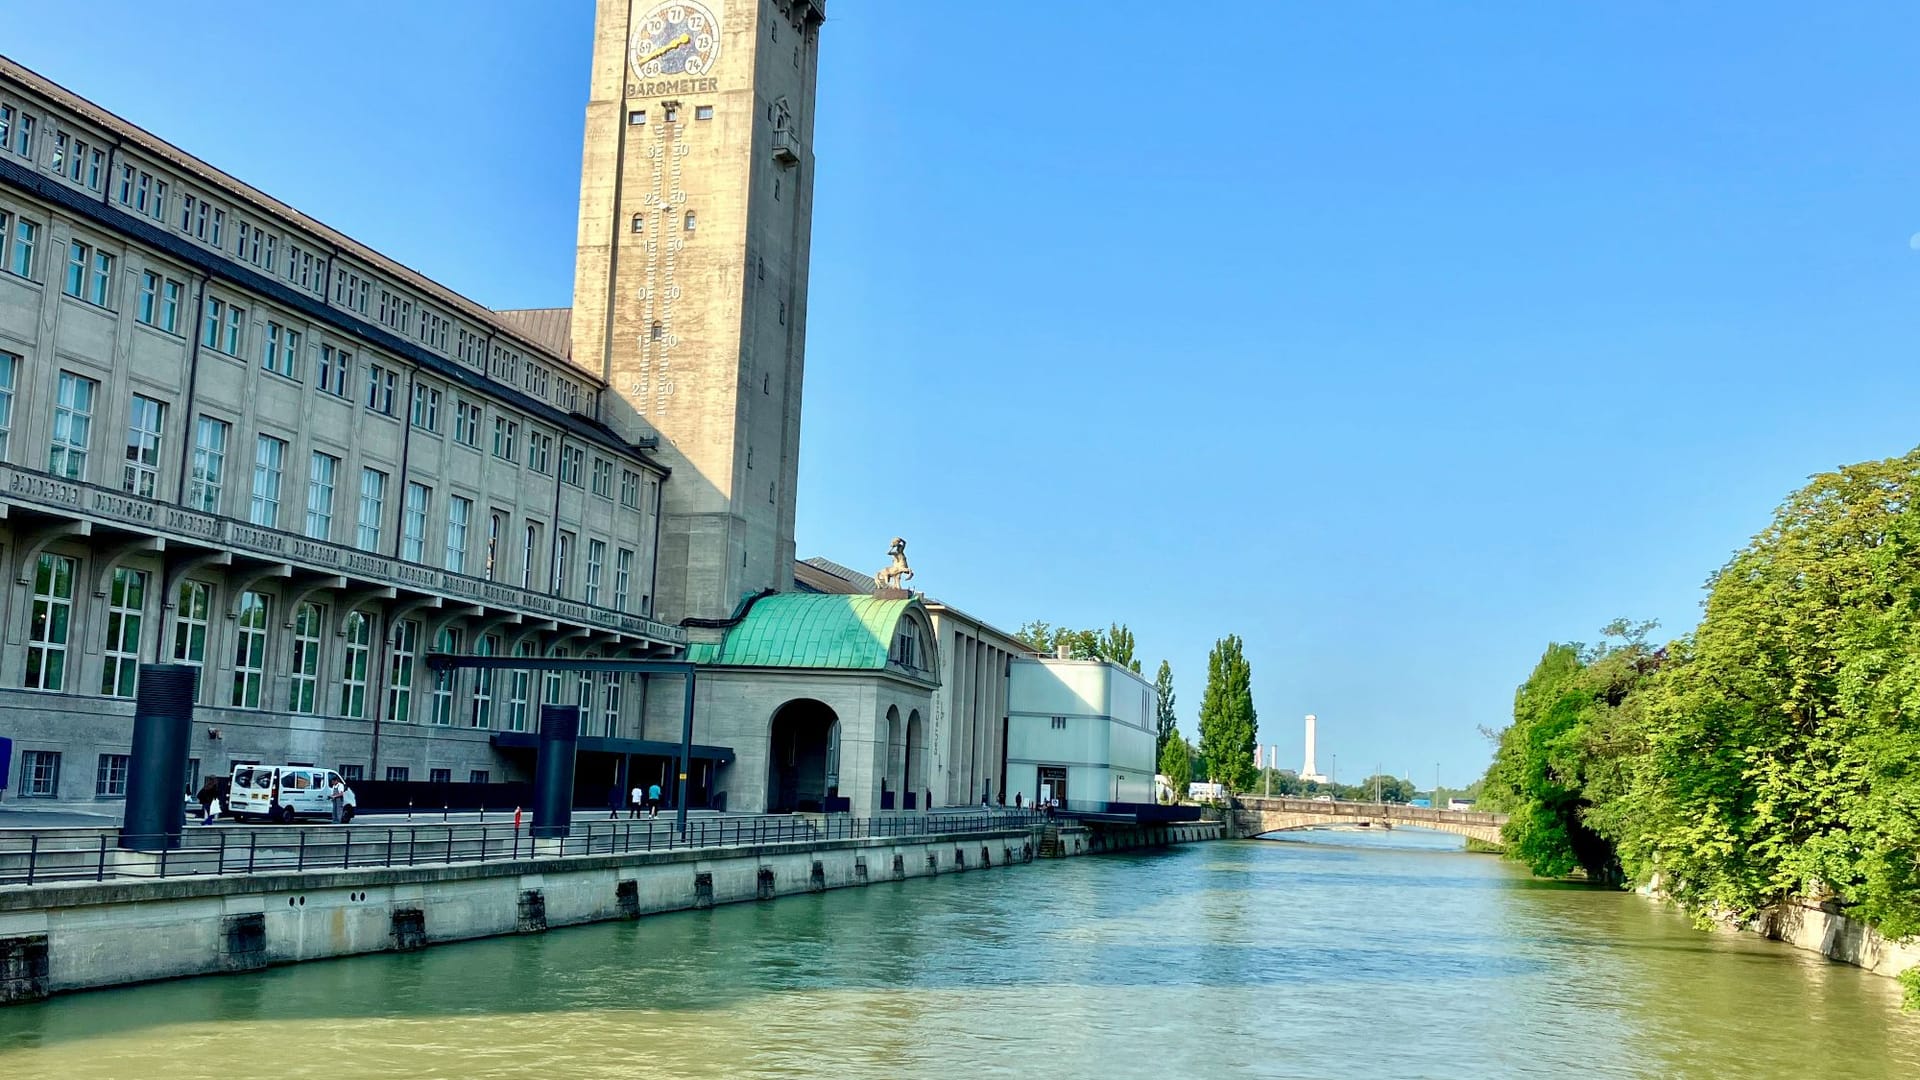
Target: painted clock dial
(676, 37)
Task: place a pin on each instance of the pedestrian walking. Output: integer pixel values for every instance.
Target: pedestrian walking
(337, 795)
(209, 795)
(615, 800)
(639, 799)
(653, 800)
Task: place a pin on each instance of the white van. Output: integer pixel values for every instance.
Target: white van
(300, 790)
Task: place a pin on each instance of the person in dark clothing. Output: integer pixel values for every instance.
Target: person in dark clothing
(208, 795)
(616, 798)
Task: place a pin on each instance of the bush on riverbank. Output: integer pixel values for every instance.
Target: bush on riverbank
(1774, 751)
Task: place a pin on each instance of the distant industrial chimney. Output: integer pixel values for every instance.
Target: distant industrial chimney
(1309, 772)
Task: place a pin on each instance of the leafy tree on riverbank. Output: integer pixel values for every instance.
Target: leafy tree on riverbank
(1772, 753)
(1227, 719)
(1114, 644)
(1176, 764)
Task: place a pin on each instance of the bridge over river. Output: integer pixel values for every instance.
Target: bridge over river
(1254, 816)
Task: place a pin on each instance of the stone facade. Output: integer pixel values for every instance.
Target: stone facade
(232, 437)
(691, 284)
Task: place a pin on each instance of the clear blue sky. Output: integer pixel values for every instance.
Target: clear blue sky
(1399, 338)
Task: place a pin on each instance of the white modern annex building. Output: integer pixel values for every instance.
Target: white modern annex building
(1080, 731)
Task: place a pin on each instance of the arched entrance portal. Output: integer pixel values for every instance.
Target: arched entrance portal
(917, 758)
(804, 757)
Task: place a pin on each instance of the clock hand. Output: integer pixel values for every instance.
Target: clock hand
(663, 50)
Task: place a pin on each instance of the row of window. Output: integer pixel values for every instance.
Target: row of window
(40, 774)
(75, 402)
(50, 640)
(145, 193)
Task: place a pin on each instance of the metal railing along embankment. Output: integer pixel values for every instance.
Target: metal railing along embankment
(46, 856)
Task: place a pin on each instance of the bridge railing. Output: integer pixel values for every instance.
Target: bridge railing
(1377, 811)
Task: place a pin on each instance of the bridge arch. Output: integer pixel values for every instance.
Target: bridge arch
(1259, 817)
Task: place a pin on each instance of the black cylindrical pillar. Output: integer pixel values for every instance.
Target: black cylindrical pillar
(553, 770)
(157, 767)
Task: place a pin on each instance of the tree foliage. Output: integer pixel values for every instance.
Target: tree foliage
(1164, 718)
(1176, 763)
(1774, 752)
(1114, 644)
(1227, 719)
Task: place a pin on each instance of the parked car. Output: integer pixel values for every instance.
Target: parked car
(284, 793)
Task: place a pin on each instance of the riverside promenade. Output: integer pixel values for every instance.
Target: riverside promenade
(241, 899)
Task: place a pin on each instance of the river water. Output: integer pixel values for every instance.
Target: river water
(1324, 954)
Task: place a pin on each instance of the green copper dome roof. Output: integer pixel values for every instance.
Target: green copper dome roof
(811, 630)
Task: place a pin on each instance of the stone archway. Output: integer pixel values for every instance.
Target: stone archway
(916, 757)
(884, 770)
(803, 750)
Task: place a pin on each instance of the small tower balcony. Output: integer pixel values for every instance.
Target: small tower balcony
(786, 147)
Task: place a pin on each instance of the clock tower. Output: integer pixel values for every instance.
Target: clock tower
(690, 290)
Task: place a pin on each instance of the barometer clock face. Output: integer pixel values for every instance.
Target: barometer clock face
(675, 37)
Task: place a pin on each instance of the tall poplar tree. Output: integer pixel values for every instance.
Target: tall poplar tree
(1227, 720)
(1164, 721)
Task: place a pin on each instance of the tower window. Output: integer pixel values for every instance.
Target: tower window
(673, 113)
(692, 222)
(656, 331)
(703, 112)
(776, 189)
(774, 29)
(763, 270)
(766, 384)
(637, 117)
(783, 313)
(639, 223)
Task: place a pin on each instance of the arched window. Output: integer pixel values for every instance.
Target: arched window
(639, 223)
(692, 222)
(656, 332)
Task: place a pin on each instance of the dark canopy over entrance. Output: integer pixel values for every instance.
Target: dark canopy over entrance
(803, 758)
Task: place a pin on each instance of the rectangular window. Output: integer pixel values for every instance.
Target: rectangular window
(397, 774)
(602, 477)
(223, 327)
(539, 452)
(382, 383)
(506, 434)
(170, 293)
(352, 773)
(357, 631)
(481, 715)
(622, 578)
(145, 420)
(440, 776)
(459, 516)
(303, 698)
(236, 320)
(149, 308)
(629, 489)
(636, 117)
(562, 555)
(413, 526)
(249, 652)
(40, 773)
(269, 456)
(110, 777)
(703, 112)
(466, 423)
(496, 527)
(441, 713)
(426, 407)
(610, 703)
(596, 560)
(572, 458)
(373, 500)
(282, 352)
(192, 606)
(406, 640)
(72, 426)
(334, 365)
(50, 622)
(209, 464)
(519, 686)
(9, 371)
(19, 250)
(126, 604)
(320, 479)
(479, 776)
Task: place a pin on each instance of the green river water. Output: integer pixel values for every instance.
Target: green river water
(1321, 955)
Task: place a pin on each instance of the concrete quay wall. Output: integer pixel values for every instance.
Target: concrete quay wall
(61, 938)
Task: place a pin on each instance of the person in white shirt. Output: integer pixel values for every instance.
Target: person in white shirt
(637, 799)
